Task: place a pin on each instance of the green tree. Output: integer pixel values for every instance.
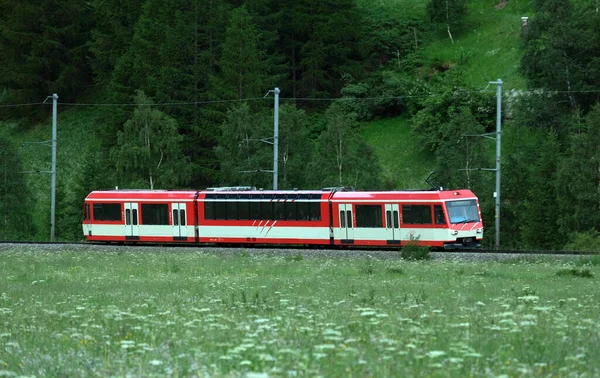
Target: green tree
(578, 181)
(148, 153)
(538, 212)
(449, 12)
(16, 202)
(342, 157)
(111, 35)
(562, 52)
(241, 154)
(43, 49)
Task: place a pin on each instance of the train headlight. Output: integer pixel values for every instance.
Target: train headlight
(480, 230)
(454, 232)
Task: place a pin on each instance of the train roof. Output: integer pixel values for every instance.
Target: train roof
(335, 195)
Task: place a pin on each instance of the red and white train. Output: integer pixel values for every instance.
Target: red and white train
(449, 219)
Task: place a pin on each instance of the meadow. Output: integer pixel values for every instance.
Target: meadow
(200, 313)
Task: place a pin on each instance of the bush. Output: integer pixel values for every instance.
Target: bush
(412, 251)
(588, 241)
(583, 272)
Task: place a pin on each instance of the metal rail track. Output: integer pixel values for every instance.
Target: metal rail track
(299, 247)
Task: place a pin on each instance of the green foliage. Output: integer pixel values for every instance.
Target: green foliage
(341, 156)
(578, 177)
(562, 51)
(43, 51)
(539, 221)
(16, 201)
(148, 152)
(587, 241)
(449, 12)
(575, 272)
(415, 252)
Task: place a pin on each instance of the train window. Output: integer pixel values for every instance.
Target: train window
(232, 210)
(175, 218)
(255, 210)
(396, 225)
(315, 211)
(135, 217)
(244, 210)
(182, 217)
(221, 210)
(279, 210)
(107, 212)
(127, 216)
(438, 214)
(303, 212)
(416, 214)
(291, 211)
(266, 210)
(86, 211)
(349, 218)
(209, 210)
(388, 217)
(342, 219)
(369, 216)
(155, 214)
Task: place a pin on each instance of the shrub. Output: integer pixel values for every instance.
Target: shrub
(575, 272)
(588, 241)
(413, 251)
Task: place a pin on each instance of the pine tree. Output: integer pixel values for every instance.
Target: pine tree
(16, 202)
(111, 35)
(43, 49)
(578, 178)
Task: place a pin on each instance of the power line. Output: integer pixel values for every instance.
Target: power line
(322, 99)
(17, 105)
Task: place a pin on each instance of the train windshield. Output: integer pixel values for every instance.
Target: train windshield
(462, 211)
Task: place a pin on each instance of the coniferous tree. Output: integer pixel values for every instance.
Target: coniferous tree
(578, 178)
(43, 49)
(111, 35)
(538, 212)
(16, 202)
(562, 52)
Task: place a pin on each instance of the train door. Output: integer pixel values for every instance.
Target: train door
(392, 224)
(179, 221)
(132, 224)
(346, 223)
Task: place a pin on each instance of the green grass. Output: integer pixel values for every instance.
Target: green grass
(183, 313)
(488, 47)
(404, 165)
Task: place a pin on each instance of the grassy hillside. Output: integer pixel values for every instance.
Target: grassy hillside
(404, 165)
(488, 47)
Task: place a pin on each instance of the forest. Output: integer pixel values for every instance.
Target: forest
(161, 94)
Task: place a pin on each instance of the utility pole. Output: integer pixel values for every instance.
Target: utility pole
(53, 195)
(498, 138)
(276, 138)
(498, 144)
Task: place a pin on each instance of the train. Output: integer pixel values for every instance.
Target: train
(331, 217)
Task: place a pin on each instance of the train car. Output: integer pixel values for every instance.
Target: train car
(240, 215)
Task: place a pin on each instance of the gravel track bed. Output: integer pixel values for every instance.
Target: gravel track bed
(269, 251)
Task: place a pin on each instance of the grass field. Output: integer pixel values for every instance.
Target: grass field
(189, 313)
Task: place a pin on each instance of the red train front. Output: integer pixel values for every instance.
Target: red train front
(443, 219)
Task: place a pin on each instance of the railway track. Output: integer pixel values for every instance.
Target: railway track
(4, 244)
